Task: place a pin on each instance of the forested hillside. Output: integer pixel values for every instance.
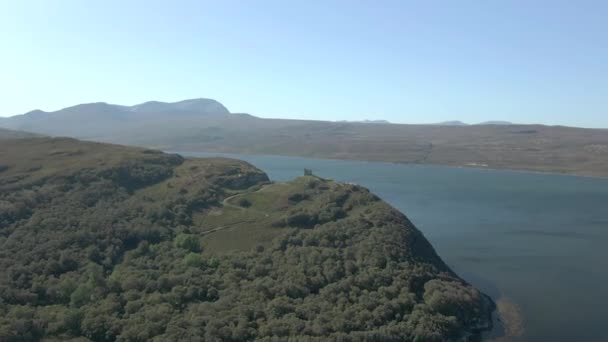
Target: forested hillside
(109, 243)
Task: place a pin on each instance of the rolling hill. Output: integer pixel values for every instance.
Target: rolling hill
(11, 134)
(102, 242)
(206, 125)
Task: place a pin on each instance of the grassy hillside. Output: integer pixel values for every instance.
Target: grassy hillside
(10, 134)
(207, 126)
(109, 243)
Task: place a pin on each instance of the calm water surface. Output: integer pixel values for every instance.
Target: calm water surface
(539, 241)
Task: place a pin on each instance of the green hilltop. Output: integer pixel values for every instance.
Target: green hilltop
(103, 242)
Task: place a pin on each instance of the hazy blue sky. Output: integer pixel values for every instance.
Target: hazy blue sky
(404, 61)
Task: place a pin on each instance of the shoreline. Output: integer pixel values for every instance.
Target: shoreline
(508, 322)
(470, 166)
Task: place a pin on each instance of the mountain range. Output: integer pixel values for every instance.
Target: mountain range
(206, 125)
(460, 123)
(93, 119)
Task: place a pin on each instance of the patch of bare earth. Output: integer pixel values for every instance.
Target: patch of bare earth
(512, 320)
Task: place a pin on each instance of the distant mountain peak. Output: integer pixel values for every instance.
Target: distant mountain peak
(495, 122)
(199, 105)
(35, 112)
(460, 123)
(367, 121)
(451, 123)
(91, 118)
(89, 107)
(202, 105)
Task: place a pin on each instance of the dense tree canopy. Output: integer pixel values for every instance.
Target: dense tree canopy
(107, 243)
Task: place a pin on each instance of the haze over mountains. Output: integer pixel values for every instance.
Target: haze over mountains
(460, 123)
(11, 134)
(93, 119)
(206, 125)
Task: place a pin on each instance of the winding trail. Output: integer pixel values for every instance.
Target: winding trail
(226, 203)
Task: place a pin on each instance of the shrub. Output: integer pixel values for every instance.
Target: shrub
(298, 197)
(245, 203)
(301, 219)
(194, 260)
(188, 242)
(331, 214)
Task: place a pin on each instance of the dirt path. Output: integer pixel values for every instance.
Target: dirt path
(225, 203)
(223, 227)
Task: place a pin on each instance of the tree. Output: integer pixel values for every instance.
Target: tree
(188, 242)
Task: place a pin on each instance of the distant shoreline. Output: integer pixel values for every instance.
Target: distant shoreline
(472, 167)
(206, 125)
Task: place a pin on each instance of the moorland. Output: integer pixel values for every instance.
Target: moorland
(206, 125)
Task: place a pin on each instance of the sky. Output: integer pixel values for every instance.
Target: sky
(404, 61)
